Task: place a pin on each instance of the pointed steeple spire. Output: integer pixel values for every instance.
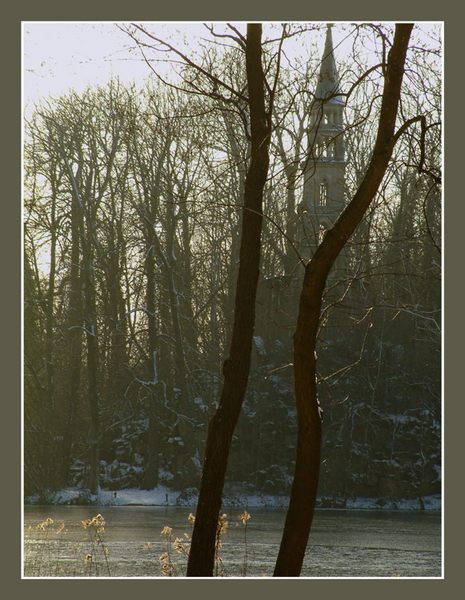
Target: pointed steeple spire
(328, 79)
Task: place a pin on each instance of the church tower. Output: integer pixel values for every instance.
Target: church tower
(324, 165)
(323, 171)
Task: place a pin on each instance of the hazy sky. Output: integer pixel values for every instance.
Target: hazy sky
(60, 56)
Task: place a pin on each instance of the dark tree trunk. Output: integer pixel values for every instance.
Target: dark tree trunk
(49, 407)
(153, 443)
(90, 323)
(290, 259)
(74, 341)
(170, 266)
(50, 305)
(236, 367)
(190, 332)
(115, 263)
(92, 380)
(303, 495)
(240, 158)
(291, 171)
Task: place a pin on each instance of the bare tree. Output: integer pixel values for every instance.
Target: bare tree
(306, 475)
(237, 365)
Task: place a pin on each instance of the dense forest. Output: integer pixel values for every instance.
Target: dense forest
(132, 208)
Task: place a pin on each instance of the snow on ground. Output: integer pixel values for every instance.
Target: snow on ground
(429, 503)
(163, 496)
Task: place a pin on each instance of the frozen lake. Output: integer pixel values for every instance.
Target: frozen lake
(343, 543)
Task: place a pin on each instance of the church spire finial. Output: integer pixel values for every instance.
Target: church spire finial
(328, 80)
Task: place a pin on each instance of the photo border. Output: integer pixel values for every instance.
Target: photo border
(11, 298)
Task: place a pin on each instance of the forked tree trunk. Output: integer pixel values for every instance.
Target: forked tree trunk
(236, 367)
(303, 495)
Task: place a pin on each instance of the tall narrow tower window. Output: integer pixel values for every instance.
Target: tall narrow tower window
(323, 195)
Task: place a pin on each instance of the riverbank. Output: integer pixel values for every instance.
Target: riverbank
(348, 543)
(163, 496)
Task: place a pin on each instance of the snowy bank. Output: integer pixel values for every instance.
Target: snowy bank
(163, 496)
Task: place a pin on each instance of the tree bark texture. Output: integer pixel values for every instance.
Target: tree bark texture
(304, 489)
(236, 367)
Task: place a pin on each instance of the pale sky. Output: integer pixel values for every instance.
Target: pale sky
(60, 56)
